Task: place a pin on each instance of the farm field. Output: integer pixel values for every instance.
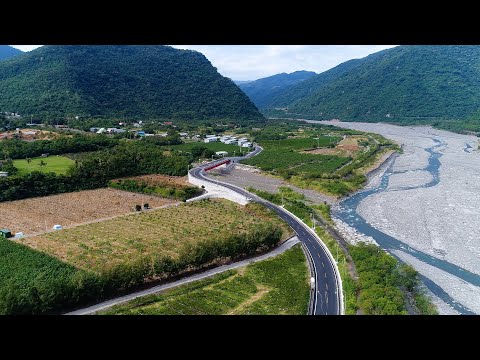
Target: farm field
(286, 157)
(69, 209)
(168, 232)
(270, 287)
(215, 146)
(157, 179)
(57, 164)
(336, 168)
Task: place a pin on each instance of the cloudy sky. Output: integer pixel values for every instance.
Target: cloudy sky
(250, 62)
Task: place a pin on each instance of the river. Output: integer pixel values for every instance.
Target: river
(408, 210)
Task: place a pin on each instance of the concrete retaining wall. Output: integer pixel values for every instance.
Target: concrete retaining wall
(216, 191)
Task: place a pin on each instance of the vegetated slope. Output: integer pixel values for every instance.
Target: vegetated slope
(7, 52)
(308, 87)
(263, 91)
(120, 81)
(403, 84)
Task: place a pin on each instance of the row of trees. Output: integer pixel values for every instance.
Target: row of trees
(173, 192)
(95, 170)
(18, 149)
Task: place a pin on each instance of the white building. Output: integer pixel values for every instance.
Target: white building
(231, 142)
(221, 153)
(210, 139)
(247, 144)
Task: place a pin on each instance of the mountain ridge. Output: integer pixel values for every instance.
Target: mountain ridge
(262, 91)
(137, 81)
(7, 52)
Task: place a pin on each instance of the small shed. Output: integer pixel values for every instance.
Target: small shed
(57, 227)
(5, 233)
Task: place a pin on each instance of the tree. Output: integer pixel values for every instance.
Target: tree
(29, 160)
(42, 163)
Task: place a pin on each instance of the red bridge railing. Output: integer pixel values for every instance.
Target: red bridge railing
(217, 165)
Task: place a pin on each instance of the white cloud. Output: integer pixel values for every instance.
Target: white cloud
(26, 47)
(250, 62)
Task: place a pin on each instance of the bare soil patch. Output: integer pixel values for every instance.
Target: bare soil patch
(32, 215)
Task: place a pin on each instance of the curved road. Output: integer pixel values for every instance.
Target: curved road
(327, 299)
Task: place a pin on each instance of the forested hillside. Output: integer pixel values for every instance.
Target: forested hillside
(407, 84)
(263, 91)
(119, 81)
(7, 52)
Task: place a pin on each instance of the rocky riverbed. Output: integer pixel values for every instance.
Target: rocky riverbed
(432, 208)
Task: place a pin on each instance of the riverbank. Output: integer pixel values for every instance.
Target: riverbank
(424, 210)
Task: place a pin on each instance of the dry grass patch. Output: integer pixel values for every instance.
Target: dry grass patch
(176, 181)
(163, 232)
(70, 209)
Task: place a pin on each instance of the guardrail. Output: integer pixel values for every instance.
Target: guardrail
(313, 273)
(315, 235)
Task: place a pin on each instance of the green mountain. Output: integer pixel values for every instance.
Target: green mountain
(406, 84)
(120, 81)
(308, 87)
(263, 91)
(7, 52)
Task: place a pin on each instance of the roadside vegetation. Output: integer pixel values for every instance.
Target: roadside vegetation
(164, 189)
(323, 158)
(385, 286)
(270, 287)
(385, 282)
(197, 149)
(68, 268)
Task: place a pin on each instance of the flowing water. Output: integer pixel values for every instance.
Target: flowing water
(347, 212)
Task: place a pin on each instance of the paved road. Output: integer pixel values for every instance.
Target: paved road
(327, 299)
(106, 304)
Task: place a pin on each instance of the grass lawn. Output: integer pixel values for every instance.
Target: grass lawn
(270, 287)
(56, 164)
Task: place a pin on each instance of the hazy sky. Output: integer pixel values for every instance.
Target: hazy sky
(250, 62)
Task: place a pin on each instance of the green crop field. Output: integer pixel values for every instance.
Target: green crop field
(285, 157)
(34, 282)
(270, 287)
(215, 146)
(57, 164)
(303, 143)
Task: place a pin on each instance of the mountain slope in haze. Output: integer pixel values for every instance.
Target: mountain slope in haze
(402, 84)
(7, 52)
(263, 91)
(120, 81)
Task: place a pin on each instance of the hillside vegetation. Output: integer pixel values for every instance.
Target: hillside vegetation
(261, 91)
(437, 85)
(6, 52)
(64, 81)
